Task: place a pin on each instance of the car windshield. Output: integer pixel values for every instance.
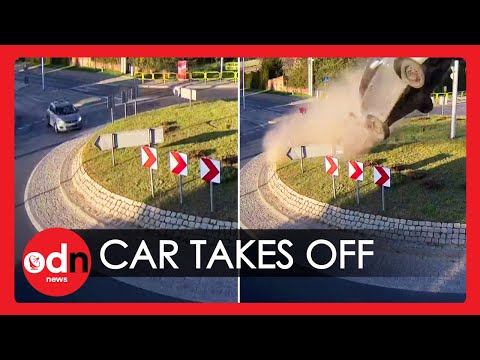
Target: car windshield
(66, 110)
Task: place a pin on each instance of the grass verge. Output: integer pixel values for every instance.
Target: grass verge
(204, 129)
(89, 69)
(428, 174)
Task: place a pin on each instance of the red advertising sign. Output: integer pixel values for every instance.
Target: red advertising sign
(182, 70)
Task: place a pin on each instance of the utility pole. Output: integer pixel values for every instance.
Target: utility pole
(221, 67)
(310, 76)
(454, 98)
(243, 81)
(43, 77)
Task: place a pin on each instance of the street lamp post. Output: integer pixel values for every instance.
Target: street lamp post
(454, 99)
(43, 77)
(310, 76)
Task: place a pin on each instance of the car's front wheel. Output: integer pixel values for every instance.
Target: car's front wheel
(412, 73)
(55, 127)
(380, 130)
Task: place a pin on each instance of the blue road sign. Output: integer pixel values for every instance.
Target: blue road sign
(326, 79)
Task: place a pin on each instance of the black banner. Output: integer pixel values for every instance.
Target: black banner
(257, 253)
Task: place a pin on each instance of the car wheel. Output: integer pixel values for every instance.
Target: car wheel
(48, 122)
(55, 127)
(380, 129)
(412, 73)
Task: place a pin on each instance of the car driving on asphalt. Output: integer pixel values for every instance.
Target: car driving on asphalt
(62, 115)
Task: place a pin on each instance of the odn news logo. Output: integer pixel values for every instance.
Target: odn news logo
(56, 262)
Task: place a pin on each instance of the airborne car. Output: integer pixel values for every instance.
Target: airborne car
(394, 87)
(63, 115)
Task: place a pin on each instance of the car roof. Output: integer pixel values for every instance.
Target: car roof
(61, 103)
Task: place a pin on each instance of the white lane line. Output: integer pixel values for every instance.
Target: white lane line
(26, 199)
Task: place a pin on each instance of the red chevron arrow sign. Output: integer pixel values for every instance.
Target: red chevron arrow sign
(381, 176)
(149, 157)
(178, 163)
(210, 170)
(355, 170)
(331, 165)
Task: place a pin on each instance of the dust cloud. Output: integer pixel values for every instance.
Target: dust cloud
(326, 121)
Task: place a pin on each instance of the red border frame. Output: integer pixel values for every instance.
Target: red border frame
(9, 53)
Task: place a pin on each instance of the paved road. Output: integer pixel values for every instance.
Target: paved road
(259, 115)
(33, 141)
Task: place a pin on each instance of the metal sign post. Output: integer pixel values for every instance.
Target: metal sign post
(110, 105)
(381, 177)
(333, 177)
(134, 98)
(151, 144)
(210, 171)
(113, 149)
(180, 188)
(355, 172)
(124, 100)
(334, 187)
(301, 157)
(178, 165)
(358, 192)
(383, 198)
(454, 99)
(211, 196)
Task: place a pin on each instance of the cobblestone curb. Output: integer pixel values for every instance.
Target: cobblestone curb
(371, 225)
(125, 211)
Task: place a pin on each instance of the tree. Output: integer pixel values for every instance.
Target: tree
(331, 67)
(298, 74)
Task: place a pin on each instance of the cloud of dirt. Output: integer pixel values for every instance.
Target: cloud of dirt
(326, 121)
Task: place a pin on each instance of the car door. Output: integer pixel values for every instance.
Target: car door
(50, 112)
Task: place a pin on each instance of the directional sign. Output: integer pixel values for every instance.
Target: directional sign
(187, 93)
(355, 170)
(381, 176)
(149, 157)
(210, 170)
(331, 165)
(295, 153)
(308, 151)
(129, 139)
(178, 163)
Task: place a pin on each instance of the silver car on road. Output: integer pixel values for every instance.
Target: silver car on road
(63, 115)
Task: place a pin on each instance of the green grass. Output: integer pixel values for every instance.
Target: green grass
(275, 92)
(286, 93)
(417, 147)
(208, 128)
(89, 69)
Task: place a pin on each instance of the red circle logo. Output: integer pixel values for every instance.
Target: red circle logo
(56, 262)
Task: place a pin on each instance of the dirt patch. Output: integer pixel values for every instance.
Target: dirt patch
(433, 184)
(415, 174)
(170, 129)
(230, 160)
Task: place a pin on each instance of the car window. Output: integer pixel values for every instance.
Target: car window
(50, 107)
(66, 110)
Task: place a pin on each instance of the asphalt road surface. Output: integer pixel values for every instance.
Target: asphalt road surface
(259, 115)
(33, 140)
